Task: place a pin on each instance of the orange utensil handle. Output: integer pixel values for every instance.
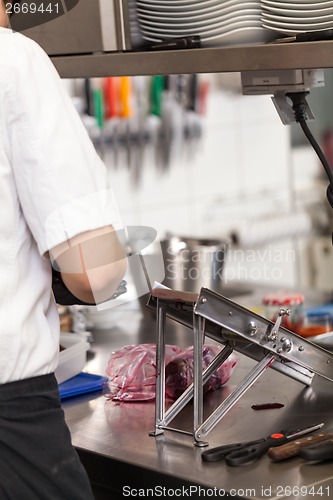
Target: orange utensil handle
(125, 94)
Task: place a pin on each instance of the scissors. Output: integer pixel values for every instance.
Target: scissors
(244, 453)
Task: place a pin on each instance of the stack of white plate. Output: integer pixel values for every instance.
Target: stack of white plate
(295, 16)
(217, 22)
(136, 36)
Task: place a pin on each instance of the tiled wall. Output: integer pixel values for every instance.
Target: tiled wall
(239, 169)
(242, 170)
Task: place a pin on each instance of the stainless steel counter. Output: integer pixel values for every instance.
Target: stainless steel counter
(121, 458)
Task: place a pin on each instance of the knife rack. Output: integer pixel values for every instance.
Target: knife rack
(236, 328)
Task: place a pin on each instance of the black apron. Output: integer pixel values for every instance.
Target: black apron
(37, 459)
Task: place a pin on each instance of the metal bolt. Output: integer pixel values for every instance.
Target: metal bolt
(271, 337)
(252, 328)
(203, 300)
(279, 350)
(230, 313)
(301, 348)
(287, 345)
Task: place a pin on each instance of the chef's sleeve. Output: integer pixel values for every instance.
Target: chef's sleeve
(60, 180)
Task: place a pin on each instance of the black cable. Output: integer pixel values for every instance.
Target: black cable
(299, 107)
(318, 150)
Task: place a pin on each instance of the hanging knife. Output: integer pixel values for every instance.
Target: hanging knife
(125, 95)
(112, 114)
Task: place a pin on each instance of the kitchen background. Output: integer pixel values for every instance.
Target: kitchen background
(239, 173)
(245, 177)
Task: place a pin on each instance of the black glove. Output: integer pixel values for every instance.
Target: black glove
(64, 297)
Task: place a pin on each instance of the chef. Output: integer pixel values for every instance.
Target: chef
(56, 208)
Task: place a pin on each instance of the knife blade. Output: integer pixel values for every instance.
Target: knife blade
(293, 448)
(319, 452)
(308, 36)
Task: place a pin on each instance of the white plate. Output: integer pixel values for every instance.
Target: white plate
(193, 7)
(293, 13)
(179, 6)
(211, 4)
(240, 36)
(306, 26)
(172, 3)
(286, 31)
(248, 20)
(296, 13)
(191, 26)
(186, 4)
(199, 31)
(247, 15)
(305, 20)
(209, 13)
(299, 6)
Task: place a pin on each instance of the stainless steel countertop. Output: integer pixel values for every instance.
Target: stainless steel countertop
(119, 433)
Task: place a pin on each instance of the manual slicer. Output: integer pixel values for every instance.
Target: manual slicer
(236, 328)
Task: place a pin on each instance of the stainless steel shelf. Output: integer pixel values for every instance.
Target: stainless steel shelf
(305, 55)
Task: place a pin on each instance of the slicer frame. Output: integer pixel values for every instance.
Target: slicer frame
(236, 328)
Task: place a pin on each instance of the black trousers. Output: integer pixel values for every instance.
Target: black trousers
(37, 459)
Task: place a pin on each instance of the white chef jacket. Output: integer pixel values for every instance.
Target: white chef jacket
(53, 186)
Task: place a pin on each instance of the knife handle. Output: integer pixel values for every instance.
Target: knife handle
(292, 448)
(110, 94)
(313, 36)
(156, 94)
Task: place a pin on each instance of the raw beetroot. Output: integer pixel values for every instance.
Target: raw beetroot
(132, 371)
(179, 371)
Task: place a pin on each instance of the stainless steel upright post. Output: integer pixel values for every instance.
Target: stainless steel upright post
(160, 368)
(225, 406)
(198, 332)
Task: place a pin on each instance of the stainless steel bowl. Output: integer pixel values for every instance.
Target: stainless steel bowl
(193, 263)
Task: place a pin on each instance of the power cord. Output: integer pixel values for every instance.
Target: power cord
(299, 107)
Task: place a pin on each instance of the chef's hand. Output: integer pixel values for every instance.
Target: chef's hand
(91, 264)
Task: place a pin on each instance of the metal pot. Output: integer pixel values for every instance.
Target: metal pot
(192, 263)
